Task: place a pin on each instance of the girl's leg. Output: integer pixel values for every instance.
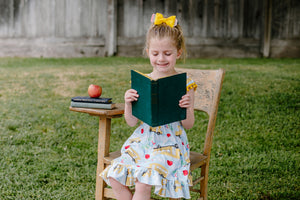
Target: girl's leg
(121, 191)
(142, 191)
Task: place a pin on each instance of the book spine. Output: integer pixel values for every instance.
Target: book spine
(154, 103)
(106, 101)
(91, 105)
(91, 101)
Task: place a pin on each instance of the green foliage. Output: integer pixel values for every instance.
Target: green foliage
(48, 152)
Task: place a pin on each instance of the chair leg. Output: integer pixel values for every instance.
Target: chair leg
(203, 183)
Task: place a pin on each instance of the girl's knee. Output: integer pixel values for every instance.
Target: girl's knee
(121, 191)
(114, 183)
(142, 187)
(112, 180)
(142, 191)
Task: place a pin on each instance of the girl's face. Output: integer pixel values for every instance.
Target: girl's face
(163, 54)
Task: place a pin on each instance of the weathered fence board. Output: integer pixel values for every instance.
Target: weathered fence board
(213, 28)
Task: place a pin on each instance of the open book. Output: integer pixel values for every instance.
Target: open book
(158, 101)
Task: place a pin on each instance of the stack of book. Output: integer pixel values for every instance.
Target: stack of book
(88, 102)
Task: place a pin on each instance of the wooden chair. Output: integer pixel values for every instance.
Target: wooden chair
(207, 98)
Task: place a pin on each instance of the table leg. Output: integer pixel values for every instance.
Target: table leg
(103, 150)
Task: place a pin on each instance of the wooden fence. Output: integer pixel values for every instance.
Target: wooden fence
(85, 28)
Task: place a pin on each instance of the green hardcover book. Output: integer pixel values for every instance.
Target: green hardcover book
(158, 101)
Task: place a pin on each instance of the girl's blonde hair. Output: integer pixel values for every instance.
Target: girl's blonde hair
(163, 30)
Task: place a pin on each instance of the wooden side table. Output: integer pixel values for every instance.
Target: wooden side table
(105, 117)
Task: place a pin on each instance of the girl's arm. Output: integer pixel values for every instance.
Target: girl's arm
(187, 101)
(130, 96)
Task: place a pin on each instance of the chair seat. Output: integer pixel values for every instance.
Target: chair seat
(197, 159)
(111, 156)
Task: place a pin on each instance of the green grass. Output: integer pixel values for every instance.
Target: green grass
(48, 152)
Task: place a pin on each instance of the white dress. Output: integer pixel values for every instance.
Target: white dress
(157, 156)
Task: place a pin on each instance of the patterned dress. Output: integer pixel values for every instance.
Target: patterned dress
(157, 156)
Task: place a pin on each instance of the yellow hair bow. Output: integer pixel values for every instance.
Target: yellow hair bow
(159, 19)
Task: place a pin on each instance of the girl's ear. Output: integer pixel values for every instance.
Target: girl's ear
(147, 52)
(179, 52)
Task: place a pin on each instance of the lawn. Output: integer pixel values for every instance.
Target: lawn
(48, 152)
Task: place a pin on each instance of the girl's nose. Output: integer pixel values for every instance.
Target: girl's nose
(160, 57)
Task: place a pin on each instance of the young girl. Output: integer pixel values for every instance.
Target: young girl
(156, 156)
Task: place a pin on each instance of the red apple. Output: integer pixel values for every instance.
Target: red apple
(95, 91)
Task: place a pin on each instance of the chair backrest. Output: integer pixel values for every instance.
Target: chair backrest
(207, 97)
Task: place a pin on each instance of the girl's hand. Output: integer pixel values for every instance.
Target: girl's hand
(185, 101)
(130, 96)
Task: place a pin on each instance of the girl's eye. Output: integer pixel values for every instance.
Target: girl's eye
(154, 54)
(167, 54)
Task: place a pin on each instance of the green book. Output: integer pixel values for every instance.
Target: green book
(158, 101)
